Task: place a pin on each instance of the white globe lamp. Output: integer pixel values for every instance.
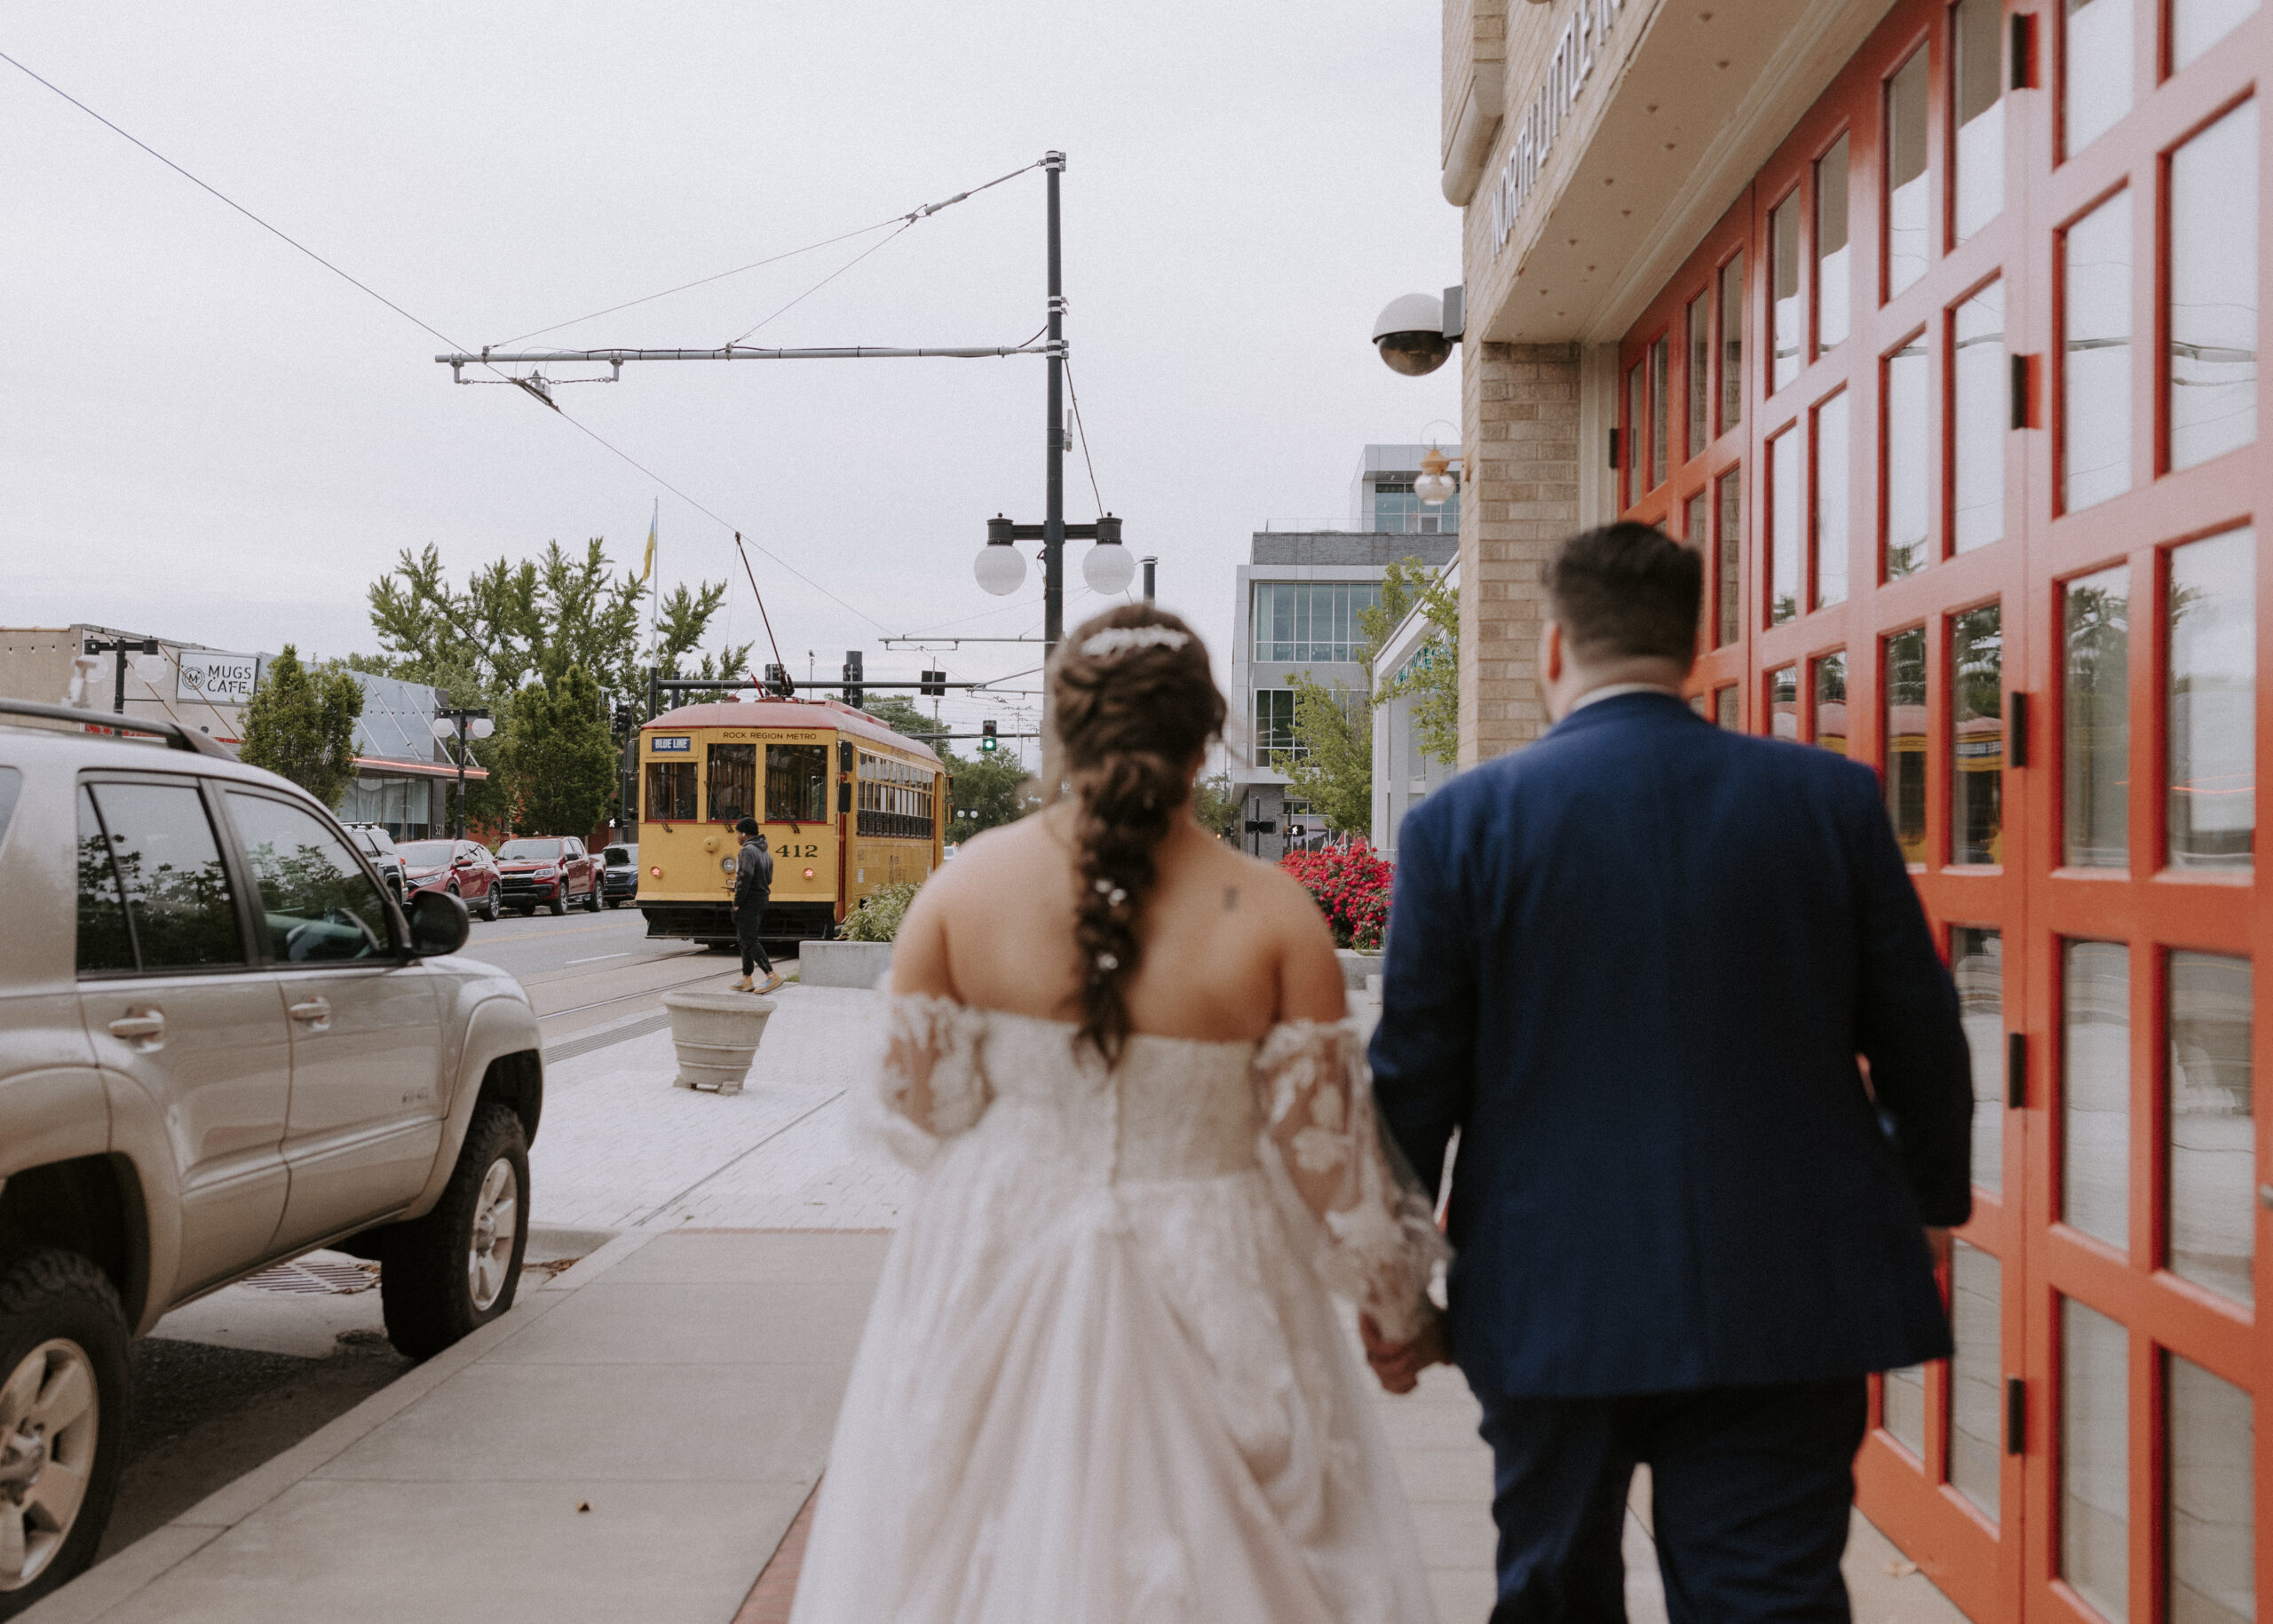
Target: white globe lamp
(1433, 485)
(1000, 566)
(481, 727)
(1108, 568)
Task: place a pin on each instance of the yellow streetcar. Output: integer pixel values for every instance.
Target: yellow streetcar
(847, 806)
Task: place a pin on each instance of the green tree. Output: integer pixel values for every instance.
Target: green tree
(1333, 765)
(1431, 677)
(986, 794)
(1334, 771)
(898, 713)
(513, 621)
(301, 723)
(1214, 808)
(562, 756)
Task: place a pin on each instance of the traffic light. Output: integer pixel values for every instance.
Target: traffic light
(853, 673)
(986, 738)
(934, 685)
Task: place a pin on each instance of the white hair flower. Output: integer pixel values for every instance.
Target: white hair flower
(1117, 640)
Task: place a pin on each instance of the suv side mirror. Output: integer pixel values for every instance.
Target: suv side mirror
(439, 923)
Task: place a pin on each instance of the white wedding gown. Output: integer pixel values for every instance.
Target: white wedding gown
(1102, 1381)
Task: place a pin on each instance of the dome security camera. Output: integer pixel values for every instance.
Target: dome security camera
(1410, 334)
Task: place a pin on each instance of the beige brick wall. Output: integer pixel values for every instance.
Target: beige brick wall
(1520, 423)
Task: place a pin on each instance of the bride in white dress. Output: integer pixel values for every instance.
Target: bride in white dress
(1102, 1381)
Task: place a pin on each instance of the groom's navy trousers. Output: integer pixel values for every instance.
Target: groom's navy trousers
(1672, 988)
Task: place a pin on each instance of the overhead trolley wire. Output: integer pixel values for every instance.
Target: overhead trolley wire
(923, 212)
(823, 282)
(1083, 429)
(699, 281)
(424, 326)
(271, 230)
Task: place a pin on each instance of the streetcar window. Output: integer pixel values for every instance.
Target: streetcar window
(797, 783)
(733, 782)
(670, 792)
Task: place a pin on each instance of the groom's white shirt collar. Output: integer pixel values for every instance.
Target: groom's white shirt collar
(1615, 690)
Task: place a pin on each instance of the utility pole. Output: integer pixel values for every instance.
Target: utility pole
(119, 648)
(1053, 512)
(1053, 531)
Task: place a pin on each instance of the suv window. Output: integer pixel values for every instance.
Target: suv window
(154, 893)
(319, 904)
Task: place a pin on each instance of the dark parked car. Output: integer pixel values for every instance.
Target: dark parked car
(374, 842)
(549, 871)
(620, 874)
(464, 869)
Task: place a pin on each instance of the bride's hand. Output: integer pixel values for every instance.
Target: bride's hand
(1398, 1365)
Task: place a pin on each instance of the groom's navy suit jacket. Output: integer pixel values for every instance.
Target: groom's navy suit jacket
(1634, 963)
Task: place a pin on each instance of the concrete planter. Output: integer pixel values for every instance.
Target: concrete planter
(1356, 966)
(716, 1036)
(844, 964)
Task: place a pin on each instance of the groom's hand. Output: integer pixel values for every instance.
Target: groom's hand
(1398, 1365)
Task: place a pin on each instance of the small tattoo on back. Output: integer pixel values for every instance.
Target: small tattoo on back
(1231, 897)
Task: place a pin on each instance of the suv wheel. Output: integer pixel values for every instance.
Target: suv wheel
(489, 908)
(592, 904)
(63, 1399)
(454, 1271)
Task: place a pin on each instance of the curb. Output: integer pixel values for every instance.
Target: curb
(112, 1583)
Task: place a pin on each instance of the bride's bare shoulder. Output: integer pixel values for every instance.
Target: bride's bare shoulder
(1258, 884)
(1025, 847)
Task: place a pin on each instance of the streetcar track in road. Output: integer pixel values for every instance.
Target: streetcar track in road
(627, 997)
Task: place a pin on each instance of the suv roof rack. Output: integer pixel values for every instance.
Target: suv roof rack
(177, 736)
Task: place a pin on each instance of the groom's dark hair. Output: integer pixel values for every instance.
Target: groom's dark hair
(1626, 590)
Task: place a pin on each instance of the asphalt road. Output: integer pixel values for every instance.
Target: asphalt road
(235, 1378)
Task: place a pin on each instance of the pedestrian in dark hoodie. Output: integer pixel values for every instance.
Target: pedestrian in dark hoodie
(753, 888)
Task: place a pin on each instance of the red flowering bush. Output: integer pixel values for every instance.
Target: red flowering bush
(1351, 886)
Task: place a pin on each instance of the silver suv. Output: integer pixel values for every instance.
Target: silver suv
(221, 1044)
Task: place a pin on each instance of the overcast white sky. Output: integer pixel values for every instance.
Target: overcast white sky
(209, 437)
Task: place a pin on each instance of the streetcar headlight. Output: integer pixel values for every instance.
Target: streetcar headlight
(657, 871)
(809, 873)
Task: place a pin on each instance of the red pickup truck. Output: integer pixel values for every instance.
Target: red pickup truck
(549, 871)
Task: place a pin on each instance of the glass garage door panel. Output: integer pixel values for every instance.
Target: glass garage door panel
(1977, 965)
(2096, 1091)
(2212, 1148)
(2094, 1459)
(1977, 1377)
(2212, 1505)
(2212, 721)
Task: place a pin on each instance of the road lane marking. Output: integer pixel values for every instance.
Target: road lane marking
(596, 958)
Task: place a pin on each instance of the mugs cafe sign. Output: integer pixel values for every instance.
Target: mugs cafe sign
(1584, 38)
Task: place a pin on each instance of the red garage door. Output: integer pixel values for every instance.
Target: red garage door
(1961, 400)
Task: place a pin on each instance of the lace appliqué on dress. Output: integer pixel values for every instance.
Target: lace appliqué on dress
(1376, 1240)
(929, 1084)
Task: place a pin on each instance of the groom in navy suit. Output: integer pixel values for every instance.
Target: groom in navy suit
(1672, 988)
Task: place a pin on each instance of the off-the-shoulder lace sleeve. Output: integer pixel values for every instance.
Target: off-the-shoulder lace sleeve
(1377, 1240)
(930, 1084)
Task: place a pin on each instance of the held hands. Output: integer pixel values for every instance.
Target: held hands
(1398, 1365)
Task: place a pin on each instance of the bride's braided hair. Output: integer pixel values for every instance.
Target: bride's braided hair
(1133, 713)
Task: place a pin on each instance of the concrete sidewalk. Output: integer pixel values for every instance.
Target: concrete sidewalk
(630, 1442)
(634, 1439)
